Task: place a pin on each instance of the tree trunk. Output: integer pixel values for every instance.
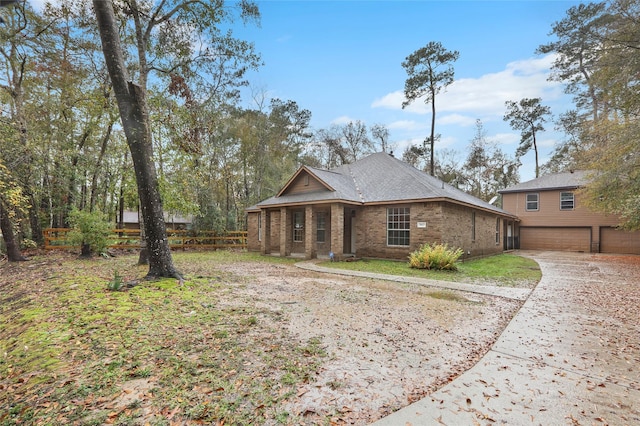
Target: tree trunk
(432, 166)
(143, 258)
(135, 122)
(34, 219)
(13, 251)
(535, 149)
(94, 178)
(85, 251)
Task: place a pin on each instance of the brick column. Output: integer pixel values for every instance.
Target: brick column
(285, 233)
(309, 235)
(337, 230)
(265, 244)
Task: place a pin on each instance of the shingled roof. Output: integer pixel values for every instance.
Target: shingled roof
(377, 178)
(568, 180)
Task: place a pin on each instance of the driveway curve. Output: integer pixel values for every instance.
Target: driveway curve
(570, 356)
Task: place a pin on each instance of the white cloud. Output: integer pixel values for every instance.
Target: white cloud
(505, 138)
(39, 4)
(343, 119)
(547, 143)
(392, 100)
(459, 119)
(487, 94)
(407, 125)
(446, 142)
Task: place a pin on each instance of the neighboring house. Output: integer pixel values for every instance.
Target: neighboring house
(130, 220)
(377, 207)
(553, 218)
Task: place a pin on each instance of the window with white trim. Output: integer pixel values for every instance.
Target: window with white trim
(398, 226)
(321, 227)
(298, 226)
(497, 230)
(473, 226)
(533, 203)
(566, 201)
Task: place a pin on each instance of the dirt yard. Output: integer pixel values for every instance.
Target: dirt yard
(154, 354)
(389, 344)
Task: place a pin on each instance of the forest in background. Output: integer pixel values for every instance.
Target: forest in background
(63, 147)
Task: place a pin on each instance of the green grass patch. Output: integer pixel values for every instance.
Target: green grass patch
(69, 346)
(502, 270)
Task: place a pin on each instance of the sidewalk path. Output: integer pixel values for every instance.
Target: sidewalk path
(570, 356)
(508, 292)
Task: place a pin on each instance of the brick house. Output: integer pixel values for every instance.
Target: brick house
(553, 218)
(377, 207)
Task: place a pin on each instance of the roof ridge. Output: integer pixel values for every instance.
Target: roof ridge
(355, 184)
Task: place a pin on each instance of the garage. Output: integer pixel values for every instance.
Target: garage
(562, 239)
(614, 240)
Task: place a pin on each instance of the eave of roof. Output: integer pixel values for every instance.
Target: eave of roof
(377, 179)
(297, 173)
(551, 182)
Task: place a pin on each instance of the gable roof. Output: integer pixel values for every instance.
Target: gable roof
(376, 179)
(568, 180)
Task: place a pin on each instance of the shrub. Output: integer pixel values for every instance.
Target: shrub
(28, 244)
(116, 283)
(436, 256)
(90, 231)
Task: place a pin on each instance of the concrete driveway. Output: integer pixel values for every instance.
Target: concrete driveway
(571, 356)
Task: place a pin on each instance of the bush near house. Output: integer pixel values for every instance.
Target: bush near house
(436, 256)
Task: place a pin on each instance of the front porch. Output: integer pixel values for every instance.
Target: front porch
(309, 232)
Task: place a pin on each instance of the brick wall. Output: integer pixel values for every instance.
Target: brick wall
(459, 231)
(275, 231)
(323, 249)
(443, 223)
(372, 238)
(253, 243)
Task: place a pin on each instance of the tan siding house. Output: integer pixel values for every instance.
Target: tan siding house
(377, 207)
(552, 217)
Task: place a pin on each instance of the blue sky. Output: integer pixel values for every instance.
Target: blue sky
(342, 61)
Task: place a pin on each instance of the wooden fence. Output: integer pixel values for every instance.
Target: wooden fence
(55, 239)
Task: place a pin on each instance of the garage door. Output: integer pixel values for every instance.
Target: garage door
(614, 240)
(562, 239)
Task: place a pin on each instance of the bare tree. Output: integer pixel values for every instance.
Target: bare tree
(356, 140)
(380, 134)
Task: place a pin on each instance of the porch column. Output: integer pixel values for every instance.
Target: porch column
(285, 233)
(337, 230)
(265, 244)
(309, 240)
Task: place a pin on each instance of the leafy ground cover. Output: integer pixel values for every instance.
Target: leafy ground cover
(501, 270)
(244, 340)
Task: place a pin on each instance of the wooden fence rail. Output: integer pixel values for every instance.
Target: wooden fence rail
(56, 239)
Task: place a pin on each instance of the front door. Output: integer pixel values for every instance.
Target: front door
(349, 231)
